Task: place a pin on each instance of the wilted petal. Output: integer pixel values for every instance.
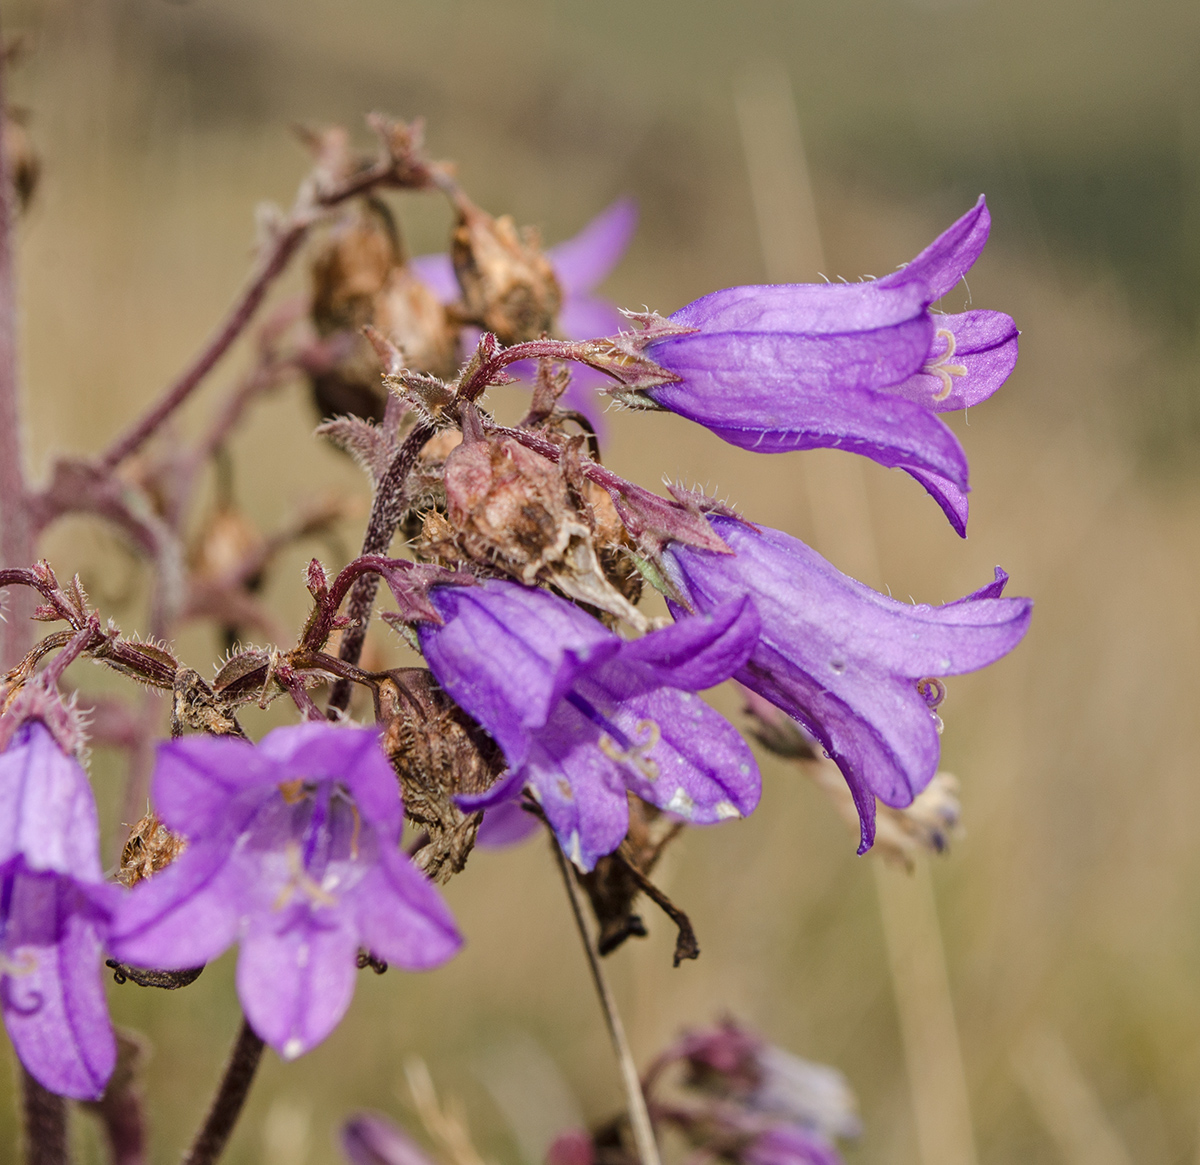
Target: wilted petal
(52, 997)
(402, 917)
(47, 811)
(295, 984)
(950, 256)
(972, 355)
(583, 262)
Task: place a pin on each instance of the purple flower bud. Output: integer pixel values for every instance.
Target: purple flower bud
(293, 852)
(845, 661)
(863, 367)
(790, 1145)
(369, 1138)
(54, 910)
(583, 715)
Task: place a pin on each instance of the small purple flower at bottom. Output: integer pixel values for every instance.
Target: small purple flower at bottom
(54, 910)
(293, 852)
(369, 1138)
(856, 668)
(789, 1145)
(585, 717)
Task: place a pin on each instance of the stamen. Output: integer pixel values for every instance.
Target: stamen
(635, 754)
(941, 369)
(24, 964)
(299, 879)
(931, 690)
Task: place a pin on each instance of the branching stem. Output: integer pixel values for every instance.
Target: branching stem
(639, 1116)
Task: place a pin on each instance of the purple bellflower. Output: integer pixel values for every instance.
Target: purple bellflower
(293, 851)
(864, 367)
(54, 910)
(583, 716)
(856, 669)
(580, 264)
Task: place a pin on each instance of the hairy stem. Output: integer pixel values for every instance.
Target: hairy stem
(639, 1117)
(270, 267)
(227, 1104)
(45, 1117)
(391, 501)
(16, 528)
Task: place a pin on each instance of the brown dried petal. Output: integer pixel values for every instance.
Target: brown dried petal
(408, 313)
(350, 270)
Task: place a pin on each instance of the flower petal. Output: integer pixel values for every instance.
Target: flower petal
(984, 355)
(950, 256)
(351, 756)
(583, 262)
(296, 983)
(953, 501)
(507, 654)
(196, 777)
(747, 390)
(809, 309)
(437, 273)
(53, 1003)
(504, 825)
(186, 915)
(580, 788)
(705, 771)
(402, 917)
(698, 652)
(47, 811)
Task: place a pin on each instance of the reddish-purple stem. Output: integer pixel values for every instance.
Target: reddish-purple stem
(16, 529)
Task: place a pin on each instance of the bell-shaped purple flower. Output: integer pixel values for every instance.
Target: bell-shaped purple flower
(54, 910)
(584, 716)
(293, 851)
(857, 669)
(863, 367)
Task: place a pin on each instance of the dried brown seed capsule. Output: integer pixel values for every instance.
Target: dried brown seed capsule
(508, 284)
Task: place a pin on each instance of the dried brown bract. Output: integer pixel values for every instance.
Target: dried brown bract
(437, 752)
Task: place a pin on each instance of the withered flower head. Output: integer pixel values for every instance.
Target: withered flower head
(438, 752)
(408, 312)
(352, 268)
(151, 847)
(508, 285)
(508, 503)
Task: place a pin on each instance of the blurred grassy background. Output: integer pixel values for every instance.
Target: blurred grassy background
(1072, 908)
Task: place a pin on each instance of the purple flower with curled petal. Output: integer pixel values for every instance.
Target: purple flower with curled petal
(854, 667)
(785, 1144)
(54, 910)
(293, 852)
(583, 716)
(580, 264)
(864, 367)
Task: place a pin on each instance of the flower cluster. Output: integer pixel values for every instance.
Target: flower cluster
(548, 694)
